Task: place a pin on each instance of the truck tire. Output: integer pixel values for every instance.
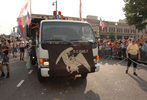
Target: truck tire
(40, 78)
(84, 75)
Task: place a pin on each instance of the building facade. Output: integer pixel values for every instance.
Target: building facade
(120, 30)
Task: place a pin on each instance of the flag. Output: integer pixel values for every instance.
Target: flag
(80, 9)
(24, 18)
(24, 8)
(102, 24)
(20, 26)
(28, 19)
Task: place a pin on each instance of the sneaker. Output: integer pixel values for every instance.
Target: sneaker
(2, 75)
(126, 71)
(135, 74)
(8, 75)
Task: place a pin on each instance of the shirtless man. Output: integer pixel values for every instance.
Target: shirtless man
(5, 47)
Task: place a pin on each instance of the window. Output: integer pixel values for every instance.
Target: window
(121, 30)
(63, 31)
(127, 30)
(114, 29)
(111, 29)
(105, 29)
(124, 30)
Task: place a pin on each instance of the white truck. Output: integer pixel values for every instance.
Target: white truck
(66, 48)
(63, 48)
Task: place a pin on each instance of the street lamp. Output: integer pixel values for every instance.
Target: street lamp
(116, 30)
(55, 5)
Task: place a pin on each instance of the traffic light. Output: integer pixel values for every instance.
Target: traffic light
(54, 13)
(59, 13)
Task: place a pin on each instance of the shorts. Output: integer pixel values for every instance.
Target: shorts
(21, 49)
(134, 58)
(1, 59)
(14, 49)
(4, 59)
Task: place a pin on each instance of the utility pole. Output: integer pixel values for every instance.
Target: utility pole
(80, 10)
(116, 30)
(56, 6)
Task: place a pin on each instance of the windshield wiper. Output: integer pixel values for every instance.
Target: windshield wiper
(81, 40)
(76, 40)
(55, 40)
(91, 41)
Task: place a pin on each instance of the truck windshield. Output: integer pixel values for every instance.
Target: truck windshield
(65, 31)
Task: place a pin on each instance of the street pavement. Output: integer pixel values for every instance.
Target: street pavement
(110, 83)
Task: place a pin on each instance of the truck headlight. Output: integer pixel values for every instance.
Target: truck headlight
(96, 59)
(43, 62)
(46, 63)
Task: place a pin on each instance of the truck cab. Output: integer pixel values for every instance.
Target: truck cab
(66, 48)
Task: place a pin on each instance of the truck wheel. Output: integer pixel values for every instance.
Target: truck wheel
(84, 75)
(40, 78)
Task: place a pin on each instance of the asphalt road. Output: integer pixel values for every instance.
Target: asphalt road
(110, 83)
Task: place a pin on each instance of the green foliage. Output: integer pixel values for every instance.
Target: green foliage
(112, 36)
(136, 13)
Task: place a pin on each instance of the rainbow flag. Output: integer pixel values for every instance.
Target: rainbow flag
(24, 20)
(28, 19)
(102, 24)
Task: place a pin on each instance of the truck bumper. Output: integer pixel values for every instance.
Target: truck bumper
(44, 72)
(97, 66)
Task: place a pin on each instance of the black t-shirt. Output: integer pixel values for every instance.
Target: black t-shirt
(6, 52)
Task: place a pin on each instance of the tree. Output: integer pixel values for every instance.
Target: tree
(136, 13)
(112, 36)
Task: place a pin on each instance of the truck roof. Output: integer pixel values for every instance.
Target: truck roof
(68, 21)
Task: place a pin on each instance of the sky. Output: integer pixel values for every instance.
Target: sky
(108, 10)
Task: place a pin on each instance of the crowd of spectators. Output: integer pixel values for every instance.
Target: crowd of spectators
(116, 49)
(16, 45)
